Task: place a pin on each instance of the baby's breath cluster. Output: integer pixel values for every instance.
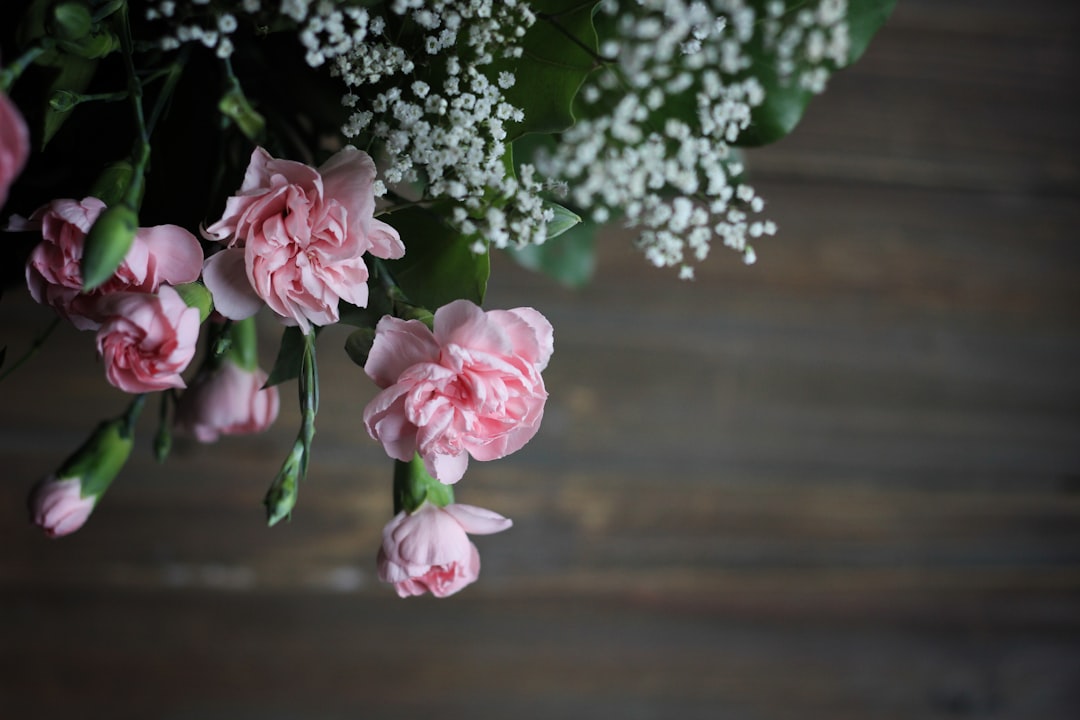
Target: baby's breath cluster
(430, 96)
(199, 21)
(659, 118)
(809, 41)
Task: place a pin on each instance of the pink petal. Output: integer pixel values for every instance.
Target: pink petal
(176, 254)
(464, 323)
(447, 469)
(226, 278)
(399, 344)
(385, 241)
(348, 177)
(478, 520)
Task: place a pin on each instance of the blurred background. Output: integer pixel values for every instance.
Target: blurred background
(841, 483)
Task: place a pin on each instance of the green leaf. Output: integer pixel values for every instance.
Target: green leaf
(439, 265)
(358, 345)
(569, 258)
(74, 76)
(865, 18)
(563, 220)
(553, 65)
(785, 101)
(290, 357)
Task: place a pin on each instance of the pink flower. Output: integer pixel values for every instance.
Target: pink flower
(14, 145)
(58, 507)
(163, 254)
(227, 400)
(295, 237)
(473, 387)
(146, 340)
(429, 550)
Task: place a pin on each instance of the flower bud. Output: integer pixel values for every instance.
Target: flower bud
(71, 21)
(235, 106)
(107, 244)
(72, 26)
(61, 503)
(196, 295)
(112, 184)
(58, 506)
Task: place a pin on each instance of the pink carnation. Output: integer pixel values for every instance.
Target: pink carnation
(58, 507)
(429, 550)
(163, 254)
(227, 400)
(146, 341)
(14, 145)
(295, 237)
(471, 387)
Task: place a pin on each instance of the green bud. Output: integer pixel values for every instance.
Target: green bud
(75, 31)
(196, 295)
(64, 100)
(235, 106)
(107, 244)
(281, 497)
(71, 21)
(98, 461)
(112, 184)
(222, 345)
(93, 46)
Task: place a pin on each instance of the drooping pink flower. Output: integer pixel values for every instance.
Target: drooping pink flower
(14, 145)
(295, 237)
(146, 340)
(470, 388)
(58, 507)
(227, 400)
(163, 254)
(429, 550)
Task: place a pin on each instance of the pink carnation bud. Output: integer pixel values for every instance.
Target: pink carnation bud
(14, 145)
(58, 507)
(470, 388)
(227, 400)
(429, 550)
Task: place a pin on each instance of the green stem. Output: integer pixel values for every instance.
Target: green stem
(34, 347)
(244, 349)
(11, 73)
(141, 152)
(131, 416)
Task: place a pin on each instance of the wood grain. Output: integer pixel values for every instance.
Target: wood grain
(843, 483)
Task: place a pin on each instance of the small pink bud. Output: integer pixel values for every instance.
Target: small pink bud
(58, 507)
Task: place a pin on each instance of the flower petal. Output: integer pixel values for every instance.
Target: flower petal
(226, 278)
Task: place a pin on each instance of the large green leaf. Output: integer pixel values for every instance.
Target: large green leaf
(558, 52)
(439, 265)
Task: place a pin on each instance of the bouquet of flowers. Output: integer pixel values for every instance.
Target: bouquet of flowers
(171, 168)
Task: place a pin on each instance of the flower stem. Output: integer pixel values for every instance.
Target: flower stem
(34, 347)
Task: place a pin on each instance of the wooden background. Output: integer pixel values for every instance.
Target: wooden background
(843, 483)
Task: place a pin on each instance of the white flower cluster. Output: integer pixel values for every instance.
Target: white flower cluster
(441, 116)
(813, 40)
(674, 174)
(195, 21)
